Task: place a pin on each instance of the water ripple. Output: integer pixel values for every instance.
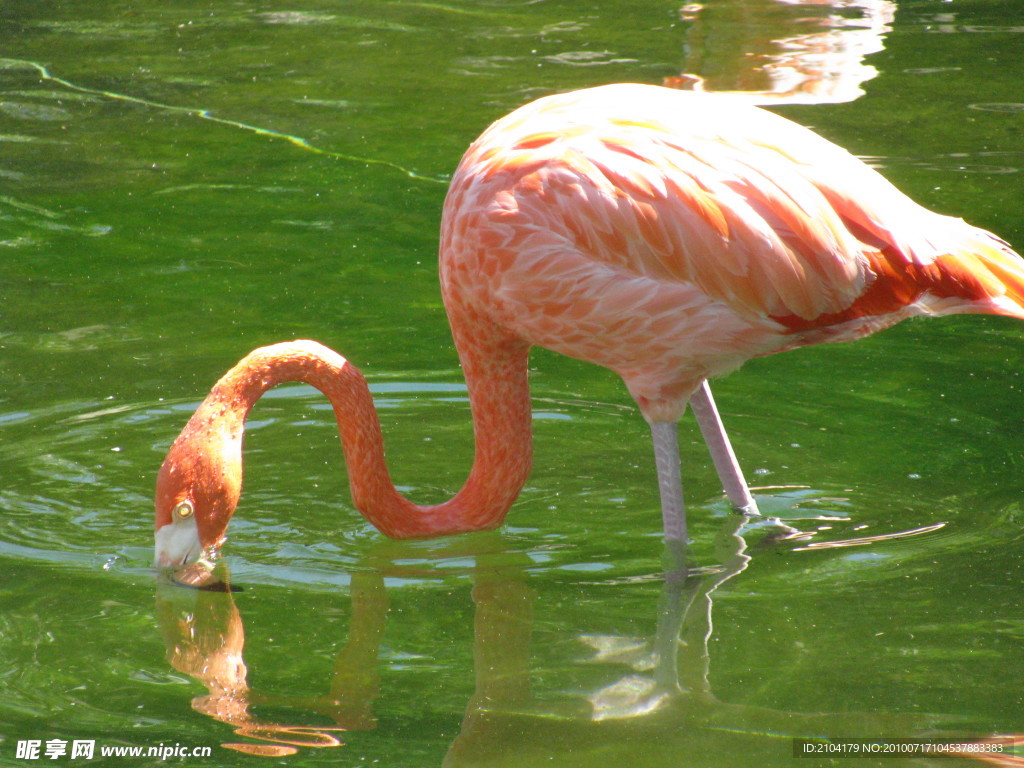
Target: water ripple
(588, 59)
(1009, 107)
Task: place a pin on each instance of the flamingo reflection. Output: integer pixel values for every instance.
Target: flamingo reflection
(666, 698)
(204, 637)
(783, 51)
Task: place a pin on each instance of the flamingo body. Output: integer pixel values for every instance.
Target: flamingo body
(668, 236)
(671, 235)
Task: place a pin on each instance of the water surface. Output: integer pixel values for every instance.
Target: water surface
(181, 182)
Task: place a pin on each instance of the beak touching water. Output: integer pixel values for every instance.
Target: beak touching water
(184, 561)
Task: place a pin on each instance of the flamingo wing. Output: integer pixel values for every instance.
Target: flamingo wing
(756, 211)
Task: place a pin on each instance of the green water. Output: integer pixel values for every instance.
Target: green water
(181, 182)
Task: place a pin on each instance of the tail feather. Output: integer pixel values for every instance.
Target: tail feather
(959, 269)
(983, 271)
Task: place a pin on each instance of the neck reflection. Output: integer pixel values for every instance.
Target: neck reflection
(665, 700)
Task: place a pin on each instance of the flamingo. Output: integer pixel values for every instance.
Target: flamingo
(666, 235)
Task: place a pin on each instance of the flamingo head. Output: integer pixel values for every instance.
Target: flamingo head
(197, 491)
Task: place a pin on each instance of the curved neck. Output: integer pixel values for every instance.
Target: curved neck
(500, 402)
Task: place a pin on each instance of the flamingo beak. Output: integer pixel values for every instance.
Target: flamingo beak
(177, 543)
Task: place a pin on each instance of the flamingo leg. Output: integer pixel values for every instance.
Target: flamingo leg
(704, 410)
(670, 485)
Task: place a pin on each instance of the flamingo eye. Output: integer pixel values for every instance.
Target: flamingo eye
(183, 510)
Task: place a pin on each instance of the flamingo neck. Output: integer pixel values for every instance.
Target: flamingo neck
(499, 399)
